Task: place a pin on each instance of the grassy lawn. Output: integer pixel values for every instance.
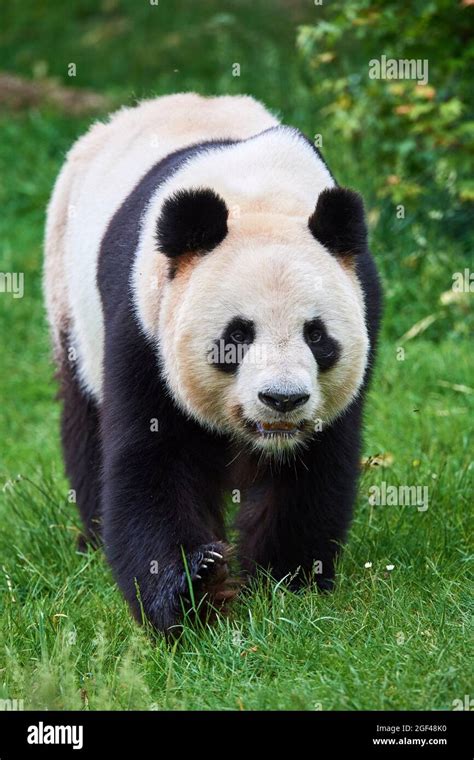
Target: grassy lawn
(394, 638)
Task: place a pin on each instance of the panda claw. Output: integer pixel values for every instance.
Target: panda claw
(198, 577)
(216, 554)
(203, 567)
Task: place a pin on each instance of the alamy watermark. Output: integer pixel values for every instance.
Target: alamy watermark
(385, 495)
(12, 282)
(463, 704)
(42, 733)
(463, 282)
(12, 704)
(403, 68)
(222, 353)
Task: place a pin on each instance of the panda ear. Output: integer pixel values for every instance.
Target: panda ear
(338, 222)
(191, 221)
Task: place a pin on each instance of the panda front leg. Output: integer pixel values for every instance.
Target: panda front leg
(166, 549)
(161, 503)
(292, 536)
(165, 552)
(295, 521)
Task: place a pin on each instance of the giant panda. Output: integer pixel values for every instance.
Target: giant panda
(214, 312)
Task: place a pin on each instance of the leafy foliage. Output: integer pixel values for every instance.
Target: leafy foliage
(423, 132)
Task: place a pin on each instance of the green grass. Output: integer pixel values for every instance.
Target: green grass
(385, 639)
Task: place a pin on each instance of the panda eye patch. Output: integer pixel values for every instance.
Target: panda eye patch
(325, 349)
(230, 349)
(239, 331)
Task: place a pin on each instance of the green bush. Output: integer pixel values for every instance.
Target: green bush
(421, 135)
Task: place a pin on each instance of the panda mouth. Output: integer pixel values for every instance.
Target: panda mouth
(279, 429)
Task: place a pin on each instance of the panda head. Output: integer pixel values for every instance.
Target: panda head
(261, 328)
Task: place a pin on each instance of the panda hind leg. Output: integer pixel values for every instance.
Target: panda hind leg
(80, 436)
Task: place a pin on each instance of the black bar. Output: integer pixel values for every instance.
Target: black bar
(374, 734)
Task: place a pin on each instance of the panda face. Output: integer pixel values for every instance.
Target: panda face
(264, 339)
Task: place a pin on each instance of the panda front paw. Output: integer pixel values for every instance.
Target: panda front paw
(199, 586)
(207, 559)
(209, 572)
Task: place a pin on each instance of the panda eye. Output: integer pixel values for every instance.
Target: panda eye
(238, 336)
(314, 332)
(314, 336)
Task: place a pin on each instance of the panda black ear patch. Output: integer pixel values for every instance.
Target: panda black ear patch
(191, 221)
(338, 222)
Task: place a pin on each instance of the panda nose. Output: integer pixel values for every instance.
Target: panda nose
(283, 402)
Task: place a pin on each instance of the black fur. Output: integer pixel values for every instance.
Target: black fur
(80, 438)
(338, 222)
(191, 221)
(162, 489)
(297, 515)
